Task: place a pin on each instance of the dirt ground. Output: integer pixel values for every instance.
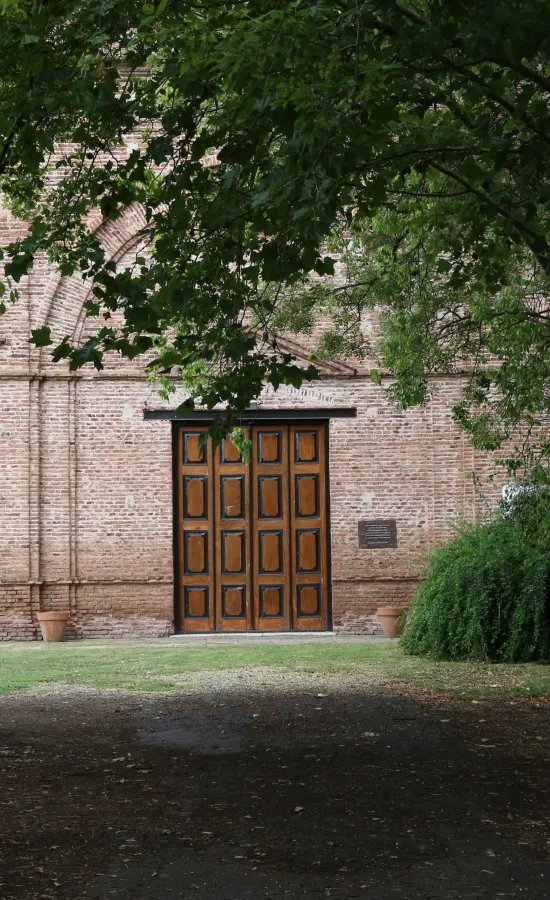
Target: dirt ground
(250, 785)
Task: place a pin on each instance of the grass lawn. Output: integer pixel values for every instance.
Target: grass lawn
(136, 667)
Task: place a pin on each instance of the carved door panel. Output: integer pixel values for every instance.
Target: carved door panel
(270, 527)
(252, 537)
(195, 530)
(232, 541)
(308, 527)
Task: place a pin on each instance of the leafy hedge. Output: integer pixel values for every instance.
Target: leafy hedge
(487, 591)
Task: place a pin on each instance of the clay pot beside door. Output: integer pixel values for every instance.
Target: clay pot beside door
(52, 625)
(389, 616)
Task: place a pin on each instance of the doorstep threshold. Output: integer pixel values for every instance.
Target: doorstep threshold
(252, 635)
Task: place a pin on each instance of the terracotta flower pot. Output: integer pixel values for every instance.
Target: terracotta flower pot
(52, 625)
(388, 616)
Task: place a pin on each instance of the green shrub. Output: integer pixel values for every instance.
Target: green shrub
(486, 595)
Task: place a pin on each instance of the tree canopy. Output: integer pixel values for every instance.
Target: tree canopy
(410, 136)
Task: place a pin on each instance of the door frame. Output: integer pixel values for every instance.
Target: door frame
(252, 417)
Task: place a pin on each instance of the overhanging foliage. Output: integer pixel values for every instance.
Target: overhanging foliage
(419, 131)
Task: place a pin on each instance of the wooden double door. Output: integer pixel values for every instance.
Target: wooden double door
(252, 536)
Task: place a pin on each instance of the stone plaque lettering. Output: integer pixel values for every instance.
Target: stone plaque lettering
(377, 534)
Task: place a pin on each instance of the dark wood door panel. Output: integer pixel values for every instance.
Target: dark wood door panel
(195, 497)
(270, 528)
(271, 561)
(194, 448)
(271, 601)
(306, 445)
(268, 447)
(308, 556)
(232, 537)
(197, 603)
(195, 552)
(234, 601)
(307, 496)
(309, 528)
(230, 454)
(194, 504)
(233, 552)
(232, 504)
(308, 601)
(270, 497)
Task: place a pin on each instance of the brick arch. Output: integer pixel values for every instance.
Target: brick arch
(128, 249)
(65, 313)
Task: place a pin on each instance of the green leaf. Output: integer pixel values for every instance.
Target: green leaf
(41, 337)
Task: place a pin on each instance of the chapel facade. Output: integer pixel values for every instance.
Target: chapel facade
(117, 510)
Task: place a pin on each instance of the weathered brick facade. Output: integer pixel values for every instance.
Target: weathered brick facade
(86, 482)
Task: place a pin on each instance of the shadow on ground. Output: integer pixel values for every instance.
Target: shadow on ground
(311, 788)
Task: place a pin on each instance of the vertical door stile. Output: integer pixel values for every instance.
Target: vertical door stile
(196, 538)
(232, 543)
(270, 528)
(308, 529)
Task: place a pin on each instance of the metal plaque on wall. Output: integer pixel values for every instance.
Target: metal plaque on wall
(377, 534)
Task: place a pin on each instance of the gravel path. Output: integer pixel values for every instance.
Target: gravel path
(263, 783)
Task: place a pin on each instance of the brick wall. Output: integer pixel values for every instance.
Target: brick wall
(86, 482)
